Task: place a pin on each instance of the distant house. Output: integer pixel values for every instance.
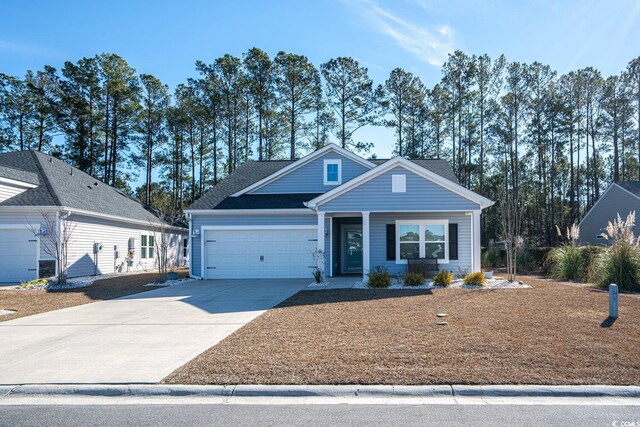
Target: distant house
(111, 230)
(620, 198)
(271, 219)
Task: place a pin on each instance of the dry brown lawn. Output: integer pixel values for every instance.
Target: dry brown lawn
(28, 302)
(550, 334)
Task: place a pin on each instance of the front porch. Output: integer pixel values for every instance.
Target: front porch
(355, 243)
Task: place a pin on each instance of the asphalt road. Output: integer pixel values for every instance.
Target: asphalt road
(315, 415)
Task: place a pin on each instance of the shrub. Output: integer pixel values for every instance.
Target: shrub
(443, 278)
(413, 279)
(533, 259)
(474, 279)
(318, 276)
(620, 263)
(379, 278)
(493, 257)
(525, 260)
(592, 257)
(566, 263)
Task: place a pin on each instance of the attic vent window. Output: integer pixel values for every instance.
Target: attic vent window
(333, 172)
(398, 183)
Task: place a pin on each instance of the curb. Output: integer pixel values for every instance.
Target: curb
(109, 390)
(306, 391)
(545, 391)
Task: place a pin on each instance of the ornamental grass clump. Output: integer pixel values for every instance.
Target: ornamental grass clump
(443, 278)
(620, 263)
(474, 279)
(566, 262)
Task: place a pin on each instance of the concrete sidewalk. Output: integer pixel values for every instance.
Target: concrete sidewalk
(101, 394)
(139, 338)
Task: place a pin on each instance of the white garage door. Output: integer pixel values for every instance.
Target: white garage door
(18, 256)
(259, 253)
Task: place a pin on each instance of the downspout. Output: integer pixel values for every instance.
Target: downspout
(190, 246)
(58, 234)
(63, 257)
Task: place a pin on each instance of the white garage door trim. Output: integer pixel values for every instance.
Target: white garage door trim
(35, 229)
(205, 228)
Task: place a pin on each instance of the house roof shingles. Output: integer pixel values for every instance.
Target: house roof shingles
(253, 171)
(60, 184)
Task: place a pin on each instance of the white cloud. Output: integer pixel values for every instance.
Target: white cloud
(431, 44)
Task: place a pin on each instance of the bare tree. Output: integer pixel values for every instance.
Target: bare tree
(163, 236)
(510, 233)
(55, 232)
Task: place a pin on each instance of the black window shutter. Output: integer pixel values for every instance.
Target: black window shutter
(453, 241)
(391, 242)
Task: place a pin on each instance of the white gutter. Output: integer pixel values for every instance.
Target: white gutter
(41, 209)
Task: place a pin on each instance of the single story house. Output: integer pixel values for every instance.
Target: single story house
(109, 231)
(335, 210)
(620, 198)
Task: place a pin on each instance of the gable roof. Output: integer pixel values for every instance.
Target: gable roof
(230, 192)
(62, 185)
(632, 187)
(303, 161)
(407, 164)
(243, 176)
(438, 166)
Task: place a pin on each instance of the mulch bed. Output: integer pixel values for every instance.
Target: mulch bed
(549, 334)
(28, 302)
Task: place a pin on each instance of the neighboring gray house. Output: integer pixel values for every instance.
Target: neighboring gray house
(37, 189)
(620, 198)
(267, 218)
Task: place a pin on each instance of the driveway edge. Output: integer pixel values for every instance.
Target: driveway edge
(9, 392)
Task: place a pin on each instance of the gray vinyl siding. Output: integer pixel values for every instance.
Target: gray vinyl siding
(113, 233)
(28, 221)
(198, 221)
(615, 201)
(375, 196)
(378, 239)
(309, 178)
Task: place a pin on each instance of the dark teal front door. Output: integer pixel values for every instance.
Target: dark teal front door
(352, 249)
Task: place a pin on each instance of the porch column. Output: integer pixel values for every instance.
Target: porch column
(475, 241)
(365, 245)
(321, 238)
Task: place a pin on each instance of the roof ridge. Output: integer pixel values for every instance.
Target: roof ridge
(45, 178)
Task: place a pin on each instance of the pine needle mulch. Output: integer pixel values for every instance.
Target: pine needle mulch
(549, 334)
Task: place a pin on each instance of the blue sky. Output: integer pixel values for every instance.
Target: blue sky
(165, 38)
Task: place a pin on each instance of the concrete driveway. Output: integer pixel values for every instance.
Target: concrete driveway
(135, 339)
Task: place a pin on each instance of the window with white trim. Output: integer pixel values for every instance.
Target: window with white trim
(333, 172)
(146, 246)
(399, 183)
(422, 239)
